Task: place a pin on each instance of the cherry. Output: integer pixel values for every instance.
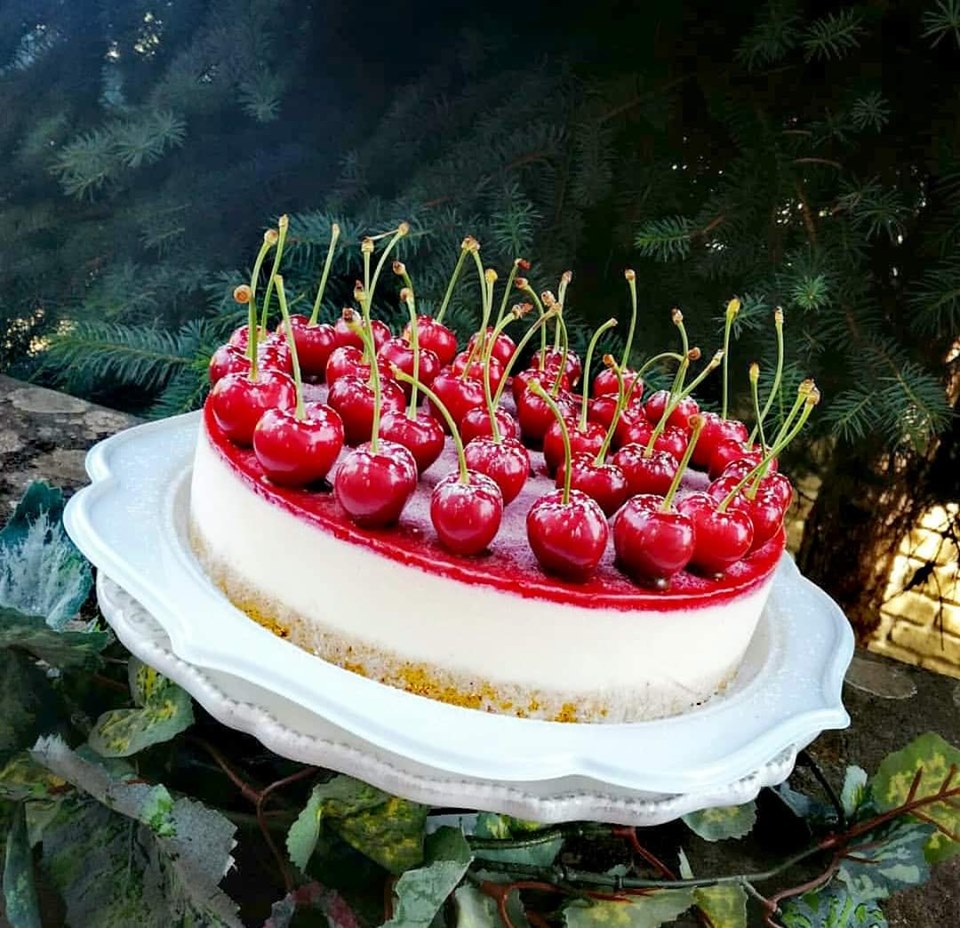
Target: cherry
(314, 342)
(240, 338)
(476, 368)
(345, 335)
(506, 462)
(297, 452)
(353, 399)
(633, 428)
(398, 352)
(649, 474)
(766, 512)
(237, 402)
(714, 431)
(544, 378)
(435, 337)
(587, 440)
(534, 414)
(273, 352)
(568, 538)
(422, 435)
(602, 409)
(554, 359)
(373, 486)
(605, 483)
(476, 424)
(227, 359)
(723, 537)
(652, 544)
(605, 384)
(345, 361)
(457, 394)
(656, 406)
(501, 350)
(466, 516)
(728, 450)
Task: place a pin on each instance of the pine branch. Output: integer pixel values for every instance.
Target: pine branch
(833, 35)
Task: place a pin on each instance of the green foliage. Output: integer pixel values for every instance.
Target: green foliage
(832, 908)
(19, 891)
(941, 21)
(722, 823)
(651, 911)
(833, 35)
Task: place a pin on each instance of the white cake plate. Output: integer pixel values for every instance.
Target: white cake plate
(132, 525)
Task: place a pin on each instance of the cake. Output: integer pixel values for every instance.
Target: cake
(500, 630)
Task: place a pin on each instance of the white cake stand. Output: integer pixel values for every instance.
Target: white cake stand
(131, 523)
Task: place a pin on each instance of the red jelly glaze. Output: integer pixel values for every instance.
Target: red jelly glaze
(510, 567)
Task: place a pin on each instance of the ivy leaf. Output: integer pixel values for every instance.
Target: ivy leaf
(475, 909)
(19, 892)
(420, 893)
(22, 778)
(722, 822)
(938, 766)
(387, 829)
(889, 861)
(806, 807)
(315, 897)
(28, 704)
(64, 649)
(725, 906)
(160, 860)
(164, 711)
(854, 790)
(640, 912)
(41, 572)
(831, 907)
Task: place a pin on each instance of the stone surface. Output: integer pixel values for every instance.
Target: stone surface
(44, 435)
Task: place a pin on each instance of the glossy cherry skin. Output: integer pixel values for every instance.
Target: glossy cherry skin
(536, 417)
(352, 398)
(457, 394)
(554, 359)
(765, 509)
(297, 452)
(422, 436)
(588, 440)
(634, 430)
(656, 406)
(728, 450)
(778, 483)
(506, 463)
(546, 379)
(314, 345)
(713, 432)
(644, 474)
(345, 361)
(466, 516)
(240, 338)
(237, 402)
(605, 483)
(605, 384)
(503, 346)
(346, 336)
(652, 545)
(436, 337)
(274, 352)
(227, 359)
(374, 486)
(476, 369)
(721, 538)
(397, 352)
(568, 539)
(476, 424)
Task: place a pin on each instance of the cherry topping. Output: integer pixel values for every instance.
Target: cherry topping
(467, 515)
(476, 424)
(605, 483)
(723, 537)
(587, 440)
(237, 402)
(555, 359)
(422, 435)
(652, 544)
(457, 394)
(506, 462)
(435, 337)
(353, 399)
(645, 473)
(314, 342)
(345, 335)
(534, 414)
(297, 452)
(657, 403)
(501, 350)
(374, 486)
(605, 384)
(569, 538)
(714, 431)
(398, 352)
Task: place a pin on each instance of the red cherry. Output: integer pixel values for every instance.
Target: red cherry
(503, 347)
(457, 394)
(588, 440)
(729, 450)
(506, 463)
(714, 431)
(766, 509)
(476, 369)
(535, 416)
(656, 405)
(237, 402)
(554, 359)
(476, 424)
(466, 515)
(346, 336)
(314, 345)
(374, 486)
(240, 338)
(296, 452)
(227, 359)
(605, 483)
(544, 378)
(436, 337)
(568, 539)
(422, 436)
(352, 398)
(397, 352)
(644, 474)
(605, 384)
(722, 538)
(345, 361)
(273, 352)
(652, 545)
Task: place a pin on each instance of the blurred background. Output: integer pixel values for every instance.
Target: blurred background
(796, 154)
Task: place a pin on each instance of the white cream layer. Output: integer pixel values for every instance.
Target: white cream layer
(676, 657)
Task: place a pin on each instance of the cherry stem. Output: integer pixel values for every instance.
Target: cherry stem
(609, 324)
(631, 276)
(366, 333)
(524, 286)
(733, 307)
(334, 235)
(676, 399)
(487, 393)
(565, 279)
(807, 405)
(414, 345)
(506, 293)
(269, 240)
(442, 409)
(464, 248)
(697, 425)
(538, 390)
(540, 325)
(487, 280)
(561, 367)
(283, 224)
(370, 286)
(621, 404)
(775, 387)
(754, 381)
(301, 412)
